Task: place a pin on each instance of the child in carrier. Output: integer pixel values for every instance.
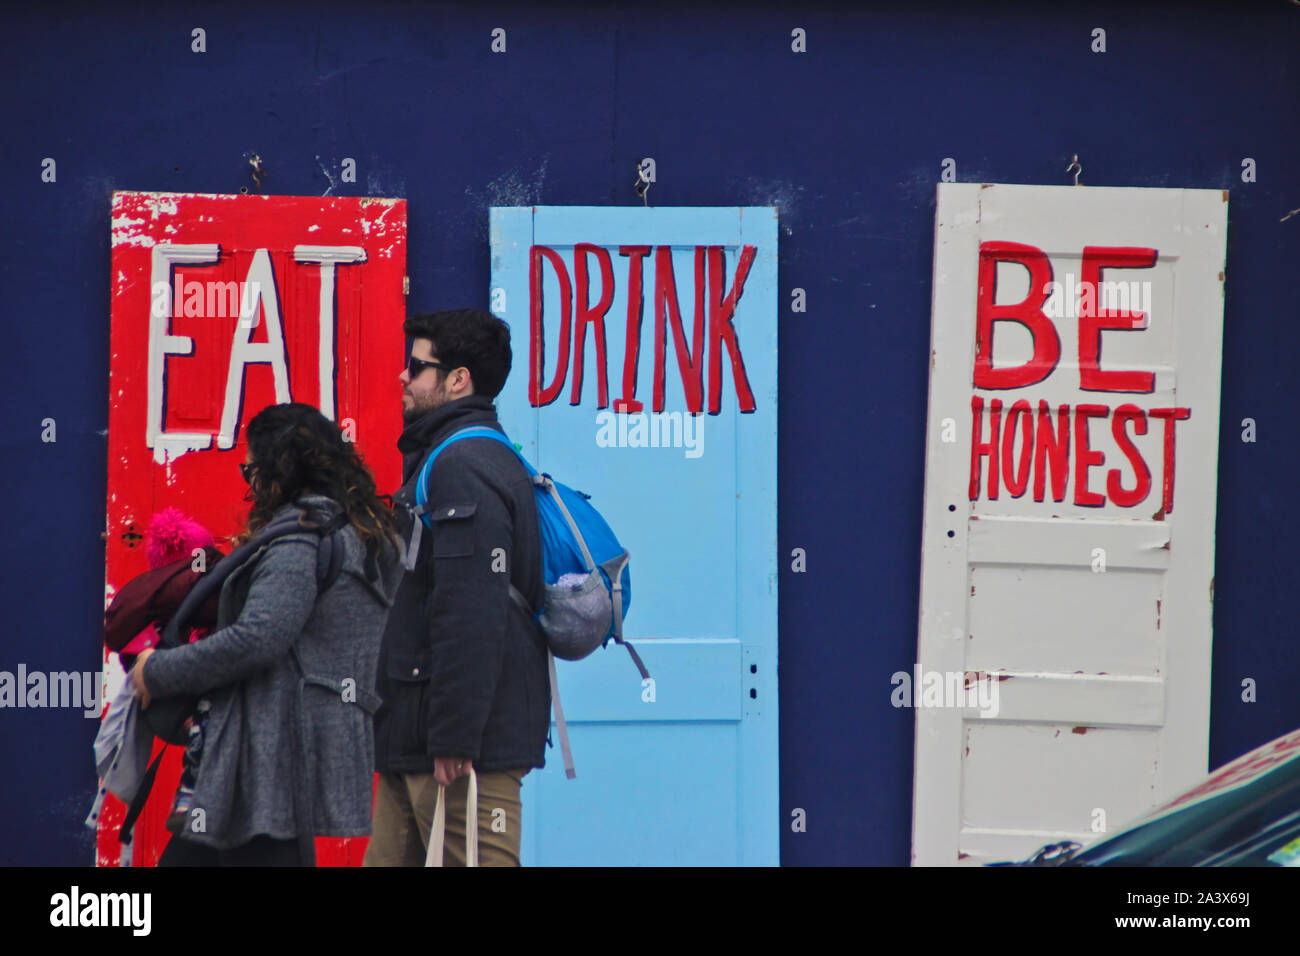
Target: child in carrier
(141, 609)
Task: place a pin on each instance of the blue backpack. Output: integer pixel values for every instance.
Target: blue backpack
(587, 582)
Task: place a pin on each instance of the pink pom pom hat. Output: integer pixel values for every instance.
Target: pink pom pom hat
(173, 535)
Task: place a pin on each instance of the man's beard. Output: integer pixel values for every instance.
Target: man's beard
(416, 412)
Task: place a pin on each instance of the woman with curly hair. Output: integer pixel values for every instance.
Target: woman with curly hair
(289, 671)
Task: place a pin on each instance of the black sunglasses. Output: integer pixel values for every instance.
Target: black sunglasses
(246, 469)
(415, 366)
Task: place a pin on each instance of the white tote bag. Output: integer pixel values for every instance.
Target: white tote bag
(438, 828)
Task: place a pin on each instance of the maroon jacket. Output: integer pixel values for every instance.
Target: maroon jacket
(153, 597)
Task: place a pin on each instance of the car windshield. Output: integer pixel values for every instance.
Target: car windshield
(1246, 814)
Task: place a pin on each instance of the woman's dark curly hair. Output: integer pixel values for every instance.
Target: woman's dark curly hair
(297, 451)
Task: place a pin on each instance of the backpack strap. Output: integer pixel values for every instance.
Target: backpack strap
(614, 568)
(329, 556)
(421, 509)
(560, 726)
(557, 708)
(417, 531)
(124, 833)
(546, 484)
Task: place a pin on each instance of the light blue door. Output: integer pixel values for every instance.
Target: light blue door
(683, 769)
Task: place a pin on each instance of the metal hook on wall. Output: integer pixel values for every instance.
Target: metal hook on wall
(1075, 167)
(643, 181)
(258, 171)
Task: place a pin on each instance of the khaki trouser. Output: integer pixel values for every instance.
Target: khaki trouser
(404, 805)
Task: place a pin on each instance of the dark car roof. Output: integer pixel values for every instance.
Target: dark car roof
(1243, 814)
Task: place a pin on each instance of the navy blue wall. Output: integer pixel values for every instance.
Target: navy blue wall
(847, 139)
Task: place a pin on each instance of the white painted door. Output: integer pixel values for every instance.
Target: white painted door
(1068, 534)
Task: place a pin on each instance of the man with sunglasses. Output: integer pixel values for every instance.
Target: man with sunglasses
(462, 670)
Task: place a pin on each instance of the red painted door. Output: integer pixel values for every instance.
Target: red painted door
(222, 305)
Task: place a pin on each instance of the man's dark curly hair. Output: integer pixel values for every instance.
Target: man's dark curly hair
(473, 338)
(297, 451)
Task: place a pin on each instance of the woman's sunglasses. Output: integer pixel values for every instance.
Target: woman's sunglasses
(247, 470)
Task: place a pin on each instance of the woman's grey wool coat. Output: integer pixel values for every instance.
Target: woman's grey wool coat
(249, 772)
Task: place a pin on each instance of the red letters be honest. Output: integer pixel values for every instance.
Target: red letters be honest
(1044, 450)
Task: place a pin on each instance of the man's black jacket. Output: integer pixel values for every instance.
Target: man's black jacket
(462, 671)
